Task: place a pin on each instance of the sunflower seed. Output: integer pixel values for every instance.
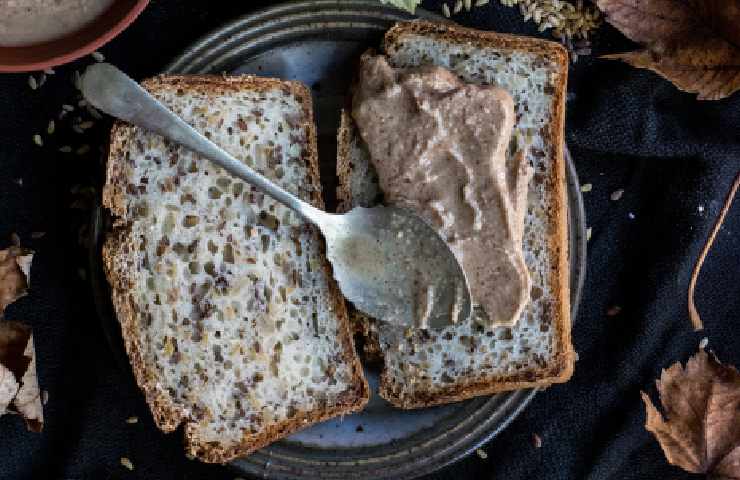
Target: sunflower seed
(37, 140)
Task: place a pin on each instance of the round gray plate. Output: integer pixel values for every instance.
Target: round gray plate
(319, 42)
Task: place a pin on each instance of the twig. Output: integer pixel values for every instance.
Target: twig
(693, 313)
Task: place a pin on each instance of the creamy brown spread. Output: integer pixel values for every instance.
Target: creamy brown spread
(439, 147)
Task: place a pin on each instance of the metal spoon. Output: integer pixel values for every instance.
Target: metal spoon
(387, 261)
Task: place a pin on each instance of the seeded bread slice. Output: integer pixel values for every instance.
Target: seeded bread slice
(230, 316)
(471, 359)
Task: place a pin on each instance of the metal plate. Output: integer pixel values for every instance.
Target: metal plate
(319, 42)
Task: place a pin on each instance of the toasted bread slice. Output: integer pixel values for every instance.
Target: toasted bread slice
(470, 359)
(230, 316)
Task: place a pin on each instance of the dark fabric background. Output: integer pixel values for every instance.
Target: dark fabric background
(674, 157)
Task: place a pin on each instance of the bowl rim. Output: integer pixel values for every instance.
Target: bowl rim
(80, 51)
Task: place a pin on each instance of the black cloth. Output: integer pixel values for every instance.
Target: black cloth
(675, 158)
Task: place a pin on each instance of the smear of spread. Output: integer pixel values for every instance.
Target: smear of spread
(439, 147)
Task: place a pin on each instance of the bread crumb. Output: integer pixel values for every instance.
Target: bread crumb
(703, 343)
(614, 311)
(586, 187)
(127, 463)
(132, 420)
(481, 453)
(617, 194)
(536, 441)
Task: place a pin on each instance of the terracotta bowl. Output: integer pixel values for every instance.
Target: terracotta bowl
(64, 50)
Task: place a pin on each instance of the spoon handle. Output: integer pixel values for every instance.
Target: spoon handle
(115, 93)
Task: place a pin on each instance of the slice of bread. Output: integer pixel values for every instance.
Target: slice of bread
(426, 368)
(230, 316)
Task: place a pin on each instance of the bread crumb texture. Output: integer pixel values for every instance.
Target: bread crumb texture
(232, 309)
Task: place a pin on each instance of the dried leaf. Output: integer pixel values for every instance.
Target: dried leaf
(8, 388)
(15, 275)
(701, 429)
(408, 5)
(695, 44)
(28, 399)
(19, 389)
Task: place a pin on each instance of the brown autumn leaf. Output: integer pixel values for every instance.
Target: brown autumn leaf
(19, 389)
(701, 429)
(693, 43)
(15, 275)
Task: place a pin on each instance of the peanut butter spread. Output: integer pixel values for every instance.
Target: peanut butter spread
(439, 148)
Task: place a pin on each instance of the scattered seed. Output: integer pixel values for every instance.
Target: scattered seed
(37, 140)
(33, 83)
(42, 79)
(87, 125)
(458, 7)
(18, 181)
(468, 5)
(127, 463)
(536, 441)
(631, 215)
(68, 108)
(613, 311)
(616, 195)
(132, 420)
(84, 149)
(44, 397)
(446, 10)
(700, 208)
(66, 149)
(588, 233)
(586, 187)
(37, 235)
(77, 80)
(480, 3)
(49, 71)
(98, 57)
(481, 453)
(15, 239)
(50, 129)
(704, 342)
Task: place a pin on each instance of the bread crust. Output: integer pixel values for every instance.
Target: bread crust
(120, 271)
(560, 369)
